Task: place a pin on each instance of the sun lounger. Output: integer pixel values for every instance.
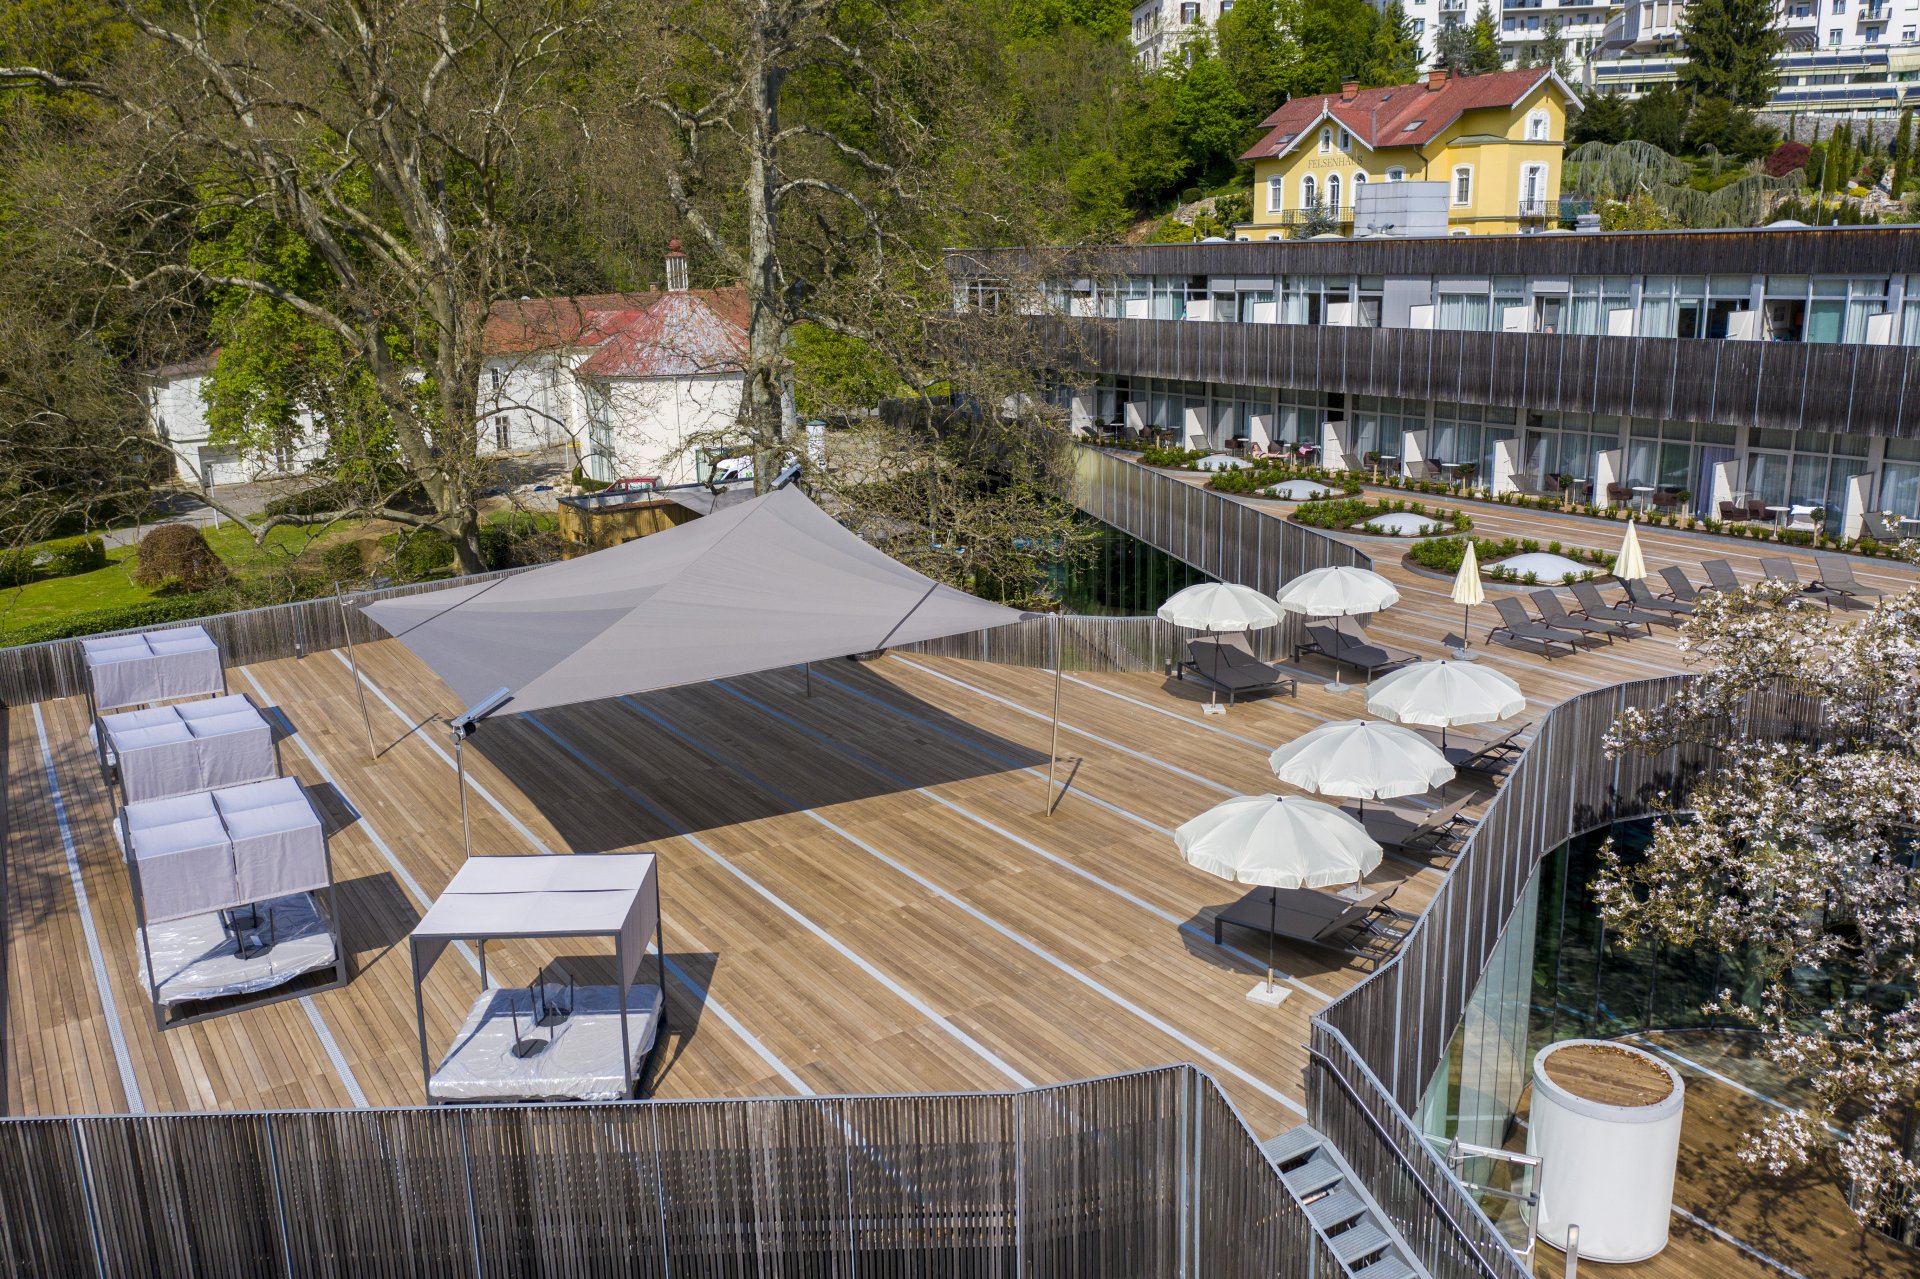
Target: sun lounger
(1678, 587)
(1878, 527)
(1779, 568)
(1641, 596)
(1363, 925)
(1351, 650)
(1554, 613)
(1226, 662)
(1721, 574)
(1488, 758)
(1520, 630)
(1594, 605)
(1836, 574)
(1416, 830)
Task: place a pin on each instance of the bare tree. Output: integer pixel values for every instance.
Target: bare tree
(397, 146)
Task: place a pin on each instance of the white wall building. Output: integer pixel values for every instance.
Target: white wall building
(177, 411)
(1161, 27)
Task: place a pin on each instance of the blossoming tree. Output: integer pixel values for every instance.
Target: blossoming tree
(1800, 856)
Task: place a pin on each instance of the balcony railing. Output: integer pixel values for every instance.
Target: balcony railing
(1342, 217)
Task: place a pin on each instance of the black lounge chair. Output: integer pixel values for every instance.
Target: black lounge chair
(1779, 568)
(1721, 575)
(1488, 758)
(1594, 605)
(1226, 662)
(1554, 613)
(1641, 596)
(1836, 574)
(1520, 630)
(1415, 830)
(1351, 650)
(1678, 587)
(1363, 926)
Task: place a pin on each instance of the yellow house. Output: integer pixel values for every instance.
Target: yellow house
(1495, 141)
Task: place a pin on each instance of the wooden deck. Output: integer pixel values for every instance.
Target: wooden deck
(861, 892)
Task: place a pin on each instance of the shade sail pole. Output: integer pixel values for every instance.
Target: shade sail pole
(460, 775)
(346, 628)
(1053, 749)
(463, 726)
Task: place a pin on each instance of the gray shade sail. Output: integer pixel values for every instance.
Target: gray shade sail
(768, 583)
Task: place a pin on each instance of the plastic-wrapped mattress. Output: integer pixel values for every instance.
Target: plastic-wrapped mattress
(197, 958)
(577, 1060)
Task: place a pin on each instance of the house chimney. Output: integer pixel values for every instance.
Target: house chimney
(1349, 90)
(676, 268)
(1437, 79)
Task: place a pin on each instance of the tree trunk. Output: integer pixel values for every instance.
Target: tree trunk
(765, 401)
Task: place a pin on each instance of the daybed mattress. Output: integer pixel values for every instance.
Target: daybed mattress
(581, 1062)
(194, 958)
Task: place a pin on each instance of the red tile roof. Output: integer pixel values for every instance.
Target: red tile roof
(540, 324)
(691, 333)
(1398, 115)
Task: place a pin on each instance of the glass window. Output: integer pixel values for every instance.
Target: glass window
(1471, 312)
(1308, 192)
(1326, 140)
(1333, 194)
(1276, 193)
(1463, 184)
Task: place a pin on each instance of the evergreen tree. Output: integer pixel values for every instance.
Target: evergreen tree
(1315, 219)
(1902, 151)
(1486, 42)
(1730, 50)
(1552, 51)
(1453, 49)
(1393, 55)
(1660, 119)
(1606, 119)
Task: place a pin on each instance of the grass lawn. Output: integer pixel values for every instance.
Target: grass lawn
(113, 586)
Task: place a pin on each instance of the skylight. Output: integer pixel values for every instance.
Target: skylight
(1411, 125)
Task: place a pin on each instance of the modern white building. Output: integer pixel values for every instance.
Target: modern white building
(1162, 27)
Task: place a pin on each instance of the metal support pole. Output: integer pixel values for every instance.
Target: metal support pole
(808, 668)
(460, 771)
(1053, 750)
(346, 628)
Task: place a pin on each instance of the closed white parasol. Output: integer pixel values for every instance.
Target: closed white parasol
(1444, 695)
(1630, 565)
(1468, 592)
(1277, 843)
(1361, 759)
(1221, 606)
(1338, 592)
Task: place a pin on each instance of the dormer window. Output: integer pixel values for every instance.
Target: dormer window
(1346, 140)
(1326, 140)
(1537, 125)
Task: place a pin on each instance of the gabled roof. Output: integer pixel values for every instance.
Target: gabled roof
(518, 326)
(195, 367)
(1398, 115)
(686, 333)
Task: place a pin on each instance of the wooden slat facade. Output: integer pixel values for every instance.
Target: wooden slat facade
(1777, 385)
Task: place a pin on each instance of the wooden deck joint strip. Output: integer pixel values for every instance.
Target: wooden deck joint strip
(859, 961)
(1254, 965)
(108, 1007)
(334, 1054)
(479, 788)
(1034, 948)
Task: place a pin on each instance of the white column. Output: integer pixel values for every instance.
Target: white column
(1335, 445)
(1413, 453)
(1854, 504)
(1506, 465)
(1607, 466)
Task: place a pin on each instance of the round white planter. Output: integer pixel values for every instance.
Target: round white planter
(1606, 1167)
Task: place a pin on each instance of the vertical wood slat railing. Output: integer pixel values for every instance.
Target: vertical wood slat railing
(1151, 1172)
(1376, 1048)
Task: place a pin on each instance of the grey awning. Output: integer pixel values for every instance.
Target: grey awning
(769, 583)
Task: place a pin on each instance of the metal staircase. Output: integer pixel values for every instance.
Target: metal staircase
(1344, 1215)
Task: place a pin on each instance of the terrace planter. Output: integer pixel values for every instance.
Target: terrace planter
(1605, 1123)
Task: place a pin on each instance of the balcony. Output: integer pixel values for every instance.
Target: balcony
(1539, 210)
(1342, 217)
(1874, 14)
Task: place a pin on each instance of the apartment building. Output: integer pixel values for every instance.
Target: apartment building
(1162, 27)
(1778, 366)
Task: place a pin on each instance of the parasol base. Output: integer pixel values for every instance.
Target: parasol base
(1462, 655)
(1213, 708)
(1338, 687)
(1272, 994)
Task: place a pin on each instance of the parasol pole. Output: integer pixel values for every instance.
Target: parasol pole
(1053, 749)
(346, 627)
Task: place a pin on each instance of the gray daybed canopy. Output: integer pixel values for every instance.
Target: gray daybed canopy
(521, 1045)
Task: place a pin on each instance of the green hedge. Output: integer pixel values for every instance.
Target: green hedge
(419, 554)
(171, 608)
(1350, 512)
(1262, 476)
(1445, 553)
(77, 555)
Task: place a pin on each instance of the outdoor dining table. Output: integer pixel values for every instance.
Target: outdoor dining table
(1779, 514)
(1643, 494)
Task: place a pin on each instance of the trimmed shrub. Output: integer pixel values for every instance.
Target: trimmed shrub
(418, 555)
(77, 555)
(176, 557)
(1154, 455)
(519, 538)
(343, 561)
(17, 568)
